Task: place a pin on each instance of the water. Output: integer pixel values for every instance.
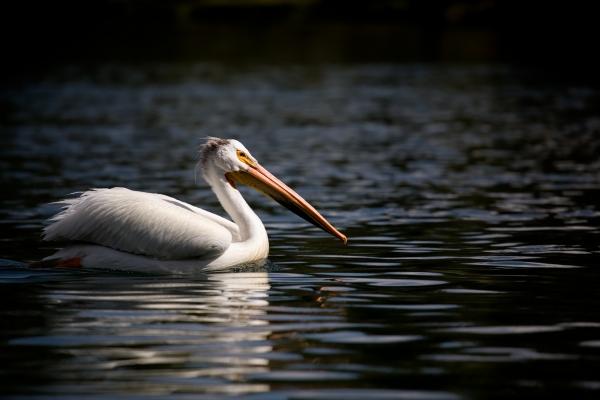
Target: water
(469, 194)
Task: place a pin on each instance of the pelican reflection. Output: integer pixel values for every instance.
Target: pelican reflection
(152, 336)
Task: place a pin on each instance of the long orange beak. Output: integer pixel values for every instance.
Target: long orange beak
(265, 182)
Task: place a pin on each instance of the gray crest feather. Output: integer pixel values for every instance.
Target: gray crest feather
(209, 147)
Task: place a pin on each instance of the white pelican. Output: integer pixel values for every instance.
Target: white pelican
(119, 228)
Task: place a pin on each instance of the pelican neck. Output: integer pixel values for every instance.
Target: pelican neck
(235, 205)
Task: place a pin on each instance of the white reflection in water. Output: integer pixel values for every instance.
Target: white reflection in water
(151, 337)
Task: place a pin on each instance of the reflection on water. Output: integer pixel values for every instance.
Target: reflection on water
(469, 195)
(140, 335)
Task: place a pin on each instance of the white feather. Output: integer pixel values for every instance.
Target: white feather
(142, 223)
(93, 256)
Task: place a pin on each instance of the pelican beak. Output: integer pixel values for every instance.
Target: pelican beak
(263, 181)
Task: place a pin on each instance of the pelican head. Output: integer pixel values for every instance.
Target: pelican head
(233, 160)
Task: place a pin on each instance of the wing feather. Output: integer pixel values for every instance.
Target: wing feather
(141, 223)
(231, 227)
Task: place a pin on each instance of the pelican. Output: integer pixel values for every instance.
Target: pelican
(118, 228)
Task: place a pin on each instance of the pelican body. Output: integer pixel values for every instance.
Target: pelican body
(124, 229)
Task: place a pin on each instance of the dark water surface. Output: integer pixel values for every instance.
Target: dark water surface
(470, 196)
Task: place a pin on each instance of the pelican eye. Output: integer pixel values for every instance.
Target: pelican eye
(243, 157)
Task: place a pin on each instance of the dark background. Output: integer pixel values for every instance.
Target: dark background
(559, 36)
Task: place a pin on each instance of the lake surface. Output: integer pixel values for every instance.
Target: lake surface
(470, 196)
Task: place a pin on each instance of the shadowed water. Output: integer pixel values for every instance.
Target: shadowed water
(469, 196)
